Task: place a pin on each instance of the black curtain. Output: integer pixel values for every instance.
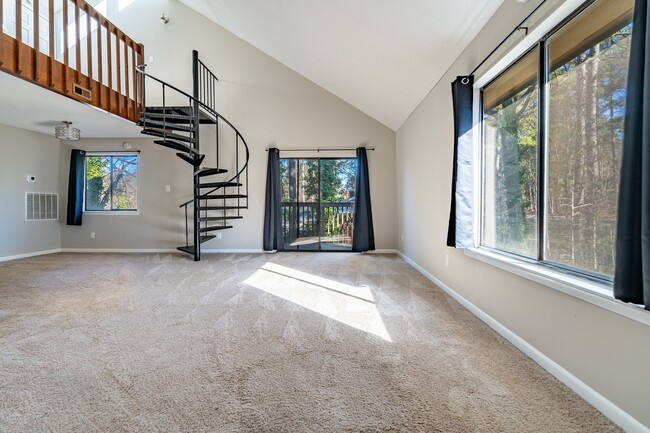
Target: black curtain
(632, 273)
(273, 239)
(460, 233)
(363, 237)
(76, 187)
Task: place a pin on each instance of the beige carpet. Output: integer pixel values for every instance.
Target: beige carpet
(311, 342)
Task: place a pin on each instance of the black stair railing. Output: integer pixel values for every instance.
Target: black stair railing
(200, 109)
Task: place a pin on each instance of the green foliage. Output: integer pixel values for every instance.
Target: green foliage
(111, 182)
(586, 114)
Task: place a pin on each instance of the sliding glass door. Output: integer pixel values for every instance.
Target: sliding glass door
(318, 203)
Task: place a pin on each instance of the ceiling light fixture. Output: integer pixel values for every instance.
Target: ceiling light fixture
(67, 132)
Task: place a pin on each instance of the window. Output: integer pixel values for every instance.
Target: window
(551, 154)
(111, 182)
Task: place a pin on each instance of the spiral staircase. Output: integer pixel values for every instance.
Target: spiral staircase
(220, 190)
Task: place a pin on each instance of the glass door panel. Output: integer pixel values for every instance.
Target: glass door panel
(317, 203)
(337, 183)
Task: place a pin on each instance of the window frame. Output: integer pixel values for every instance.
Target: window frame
(110, 154)
(528, 45)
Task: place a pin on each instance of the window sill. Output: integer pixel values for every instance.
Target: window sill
(586, 290)
(111, 212)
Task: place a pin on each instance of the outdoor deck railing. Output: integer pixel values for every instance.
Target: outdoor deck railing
(335, 222)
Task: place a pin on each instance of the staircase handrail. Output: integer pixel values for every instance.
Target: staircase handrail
(141, 69)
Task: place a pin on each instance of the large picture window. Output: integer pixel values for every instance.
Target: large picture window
(111, 183)
(552, 137)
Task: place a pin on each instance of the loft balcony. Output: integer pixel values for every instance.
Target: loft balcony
(67, 46)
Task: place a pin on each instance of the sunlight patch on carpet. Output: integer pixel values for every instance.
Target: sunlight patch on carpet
(351, 305)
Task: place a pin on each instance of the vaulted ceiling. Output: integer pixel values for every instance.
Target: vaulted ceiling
(381, 56)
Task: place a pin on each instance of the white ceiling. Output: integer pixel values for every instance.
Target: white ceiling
(381, 56)
(17, 108)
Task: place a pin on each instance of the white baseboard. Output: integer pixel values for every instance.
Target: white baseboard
(32, 254)
(383, 251)
(120, 250)
(617, 415)
(158, 250)
(233, 251)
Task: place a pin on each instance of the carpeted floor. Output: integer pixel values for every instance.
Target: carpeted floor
(291, 342)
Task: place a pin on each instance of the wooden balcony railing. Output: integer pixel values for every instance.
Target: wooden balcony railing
(332, 223)
(70, 48)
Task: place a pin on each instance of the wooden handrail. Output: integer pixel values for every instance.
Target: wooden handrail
(104, 72)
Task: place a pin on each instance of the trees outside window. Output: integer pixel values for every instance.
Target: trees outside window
(574, 199)
(111, 183)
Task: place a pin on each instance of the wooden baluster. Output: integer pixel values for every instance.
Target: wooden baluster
(51, 48)
(135, 77)
(140, 61)
(109, 63)
(119, 71)
(89, 46)
(37, 37)
(66, 54)
(126, 74)
(2, 35)
(77, 31)
(19, 34)
(100, 60)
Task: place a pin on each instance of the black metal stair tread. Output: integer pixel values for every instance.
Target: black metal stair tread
(184, 110)
(175, 145)
(222, 207)
(195, 159)
(166, 125)
(221, 218)
(168, 135)
(212, 228)
(169, 117)
(217, 184)
(189, 249)
(209, 171)
(221, 196)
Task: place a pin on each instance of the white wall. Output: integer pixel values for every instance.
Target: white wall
(159, 223)
(25, 153)
(269, 104)
(608, 352)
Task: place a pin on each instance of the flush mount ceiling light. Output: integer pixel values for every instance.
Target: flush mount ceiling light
(67, 132)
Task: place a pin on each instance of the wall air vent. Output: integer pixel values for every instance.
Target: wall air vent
(40, 206)
(80, 91)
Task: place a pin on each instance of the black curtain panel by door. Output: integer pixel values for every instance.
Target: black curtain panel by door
(460, 233)
(76, 187)
(632, 271)
(363, 236)
(273, 239)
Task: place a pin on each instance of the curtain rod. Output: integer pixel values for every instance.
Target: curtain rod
(108, 152)
(519, 27)
(325, 149)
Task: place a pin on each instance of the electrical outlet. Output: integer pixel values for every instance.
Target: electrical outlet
(92, 235)
(401, 238)
(150, 59)
(218, 235)
(168, 188)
